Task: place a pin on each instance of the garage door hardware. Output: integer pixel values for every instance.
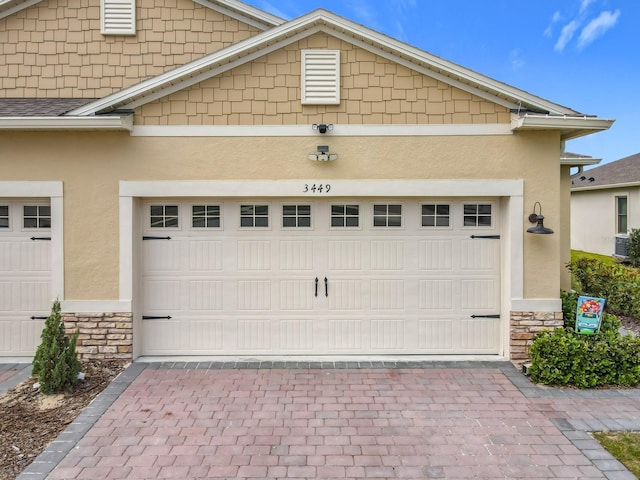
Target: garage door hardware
(38, 318)
(316, 286)
(151, 317)
(495, 237)
(40, 238)
(485, 316)
(326, 287)
(156, 238)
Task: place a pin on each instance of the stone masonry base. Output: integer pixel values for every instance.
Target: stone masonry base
(102, 336)
(523, 326)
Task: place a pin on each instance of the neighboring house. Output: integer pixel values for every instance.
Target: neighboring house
(207, 179)
(605, 203)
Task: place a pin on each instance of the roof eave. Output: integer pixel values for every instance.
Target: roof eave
(606, 187)
(9, 7)
(244, 13)
(569, 126)
(111, 122)
(579, 161)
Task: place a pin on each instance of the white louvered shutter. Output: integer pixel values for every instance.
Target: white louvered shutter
(118, 17)
(321, 77)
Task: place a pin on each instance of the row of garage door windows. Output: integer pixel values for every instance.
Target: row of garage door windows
(33, 216)
(299, 216)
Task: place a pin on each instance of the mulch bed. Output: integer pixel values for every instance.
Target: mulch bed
(29, 420)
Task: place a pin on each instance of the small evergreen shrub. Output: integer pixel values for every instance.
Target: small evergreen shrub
(618, 284)
(634, 247)
(56, 363)
(563, 357)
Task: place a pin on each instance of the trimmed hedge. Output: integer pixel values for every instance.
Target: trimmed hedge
(563, 357)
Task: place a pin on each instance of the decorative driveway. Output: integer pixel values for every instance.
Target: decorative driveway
(306, 420)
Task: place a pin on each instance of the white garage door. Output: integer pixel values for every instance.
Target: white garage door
(340, 276)
(25, 280)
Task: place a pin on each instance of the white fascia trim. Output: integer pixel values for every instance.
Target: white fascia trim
(536, 305)
(306, 131)
(68, 123)
(53, 191)
(579, 161)
(95, 306)
(244, 13)
(543, 122)
(339, 188)
(606, 187)
(16, 8)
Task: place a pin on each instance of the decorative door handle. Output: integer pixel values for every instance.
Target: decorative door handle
(326, 287)
(316, 286)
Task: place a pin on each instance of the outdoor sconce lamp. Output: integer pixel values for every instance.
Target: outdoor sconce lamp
(538, 219)
(322, 127)
(323, 154)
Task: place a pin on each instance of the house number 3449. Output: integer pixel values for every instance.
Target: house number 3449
(316, 188)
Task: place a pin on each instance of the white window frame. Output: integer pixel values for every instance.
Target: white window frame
(618, 214)
(253, 216)
(38, 217)
(297, 216)
(151, 228)
(205, 204)
(8, 217)
(477, 215)
(387, 215)
(450, 216)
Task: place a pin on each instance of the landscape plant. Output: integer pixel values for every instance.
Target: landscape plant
(633, 247)
(56, 362)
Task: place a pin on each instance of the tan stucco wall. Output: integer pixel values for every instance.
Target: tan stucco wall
(55, 49)
(91, 165)
(373, 91)
(565, 227)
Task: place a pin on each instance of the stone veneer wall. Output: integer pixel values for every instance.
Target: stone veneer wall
(102, 336)
(524, 325)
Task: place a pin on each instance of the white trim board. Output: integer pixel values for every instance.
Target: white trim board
(306, 130)
(339, 188)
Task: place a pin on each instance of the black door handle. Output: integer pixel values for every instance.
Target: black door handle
(326, 287)
(316, 286)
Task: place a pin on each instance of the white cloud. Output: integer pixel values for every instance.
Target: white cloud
(597, 27)
(584, 5)
(556, 17)
(567, 34)
(403, 5)
(516, 60)
(269, 7)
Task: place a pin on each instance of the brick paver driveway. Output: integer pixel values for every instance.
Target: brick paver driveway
(435, 421)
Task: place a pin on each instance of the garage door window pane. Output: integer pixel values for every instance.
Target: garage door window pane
(36, 216)
(163, 216)
(254, 216)
(205, 216)
(385, 215)
(435, 215)
(345, 215)
(477, 215)
(4, 216)
(296, 216)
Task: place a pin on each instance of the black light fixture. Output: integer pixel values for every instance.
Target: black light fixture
(538, 219)
(322, 127)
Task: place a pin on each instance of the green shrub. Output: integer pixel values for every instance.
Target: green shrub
(634, 247)
(55, 363)
(618, 284)
(563, 357)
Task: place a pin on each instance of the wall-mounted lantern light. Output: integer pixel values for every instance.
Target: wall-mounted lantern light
(538, 219)
(322, 127)
(323, 154)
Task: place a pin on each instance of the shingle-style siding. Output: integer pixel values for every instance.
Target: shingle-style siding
(55, 49)
(267, 92)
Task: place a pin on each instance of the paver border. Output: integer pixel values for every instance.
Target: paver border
(576, 431)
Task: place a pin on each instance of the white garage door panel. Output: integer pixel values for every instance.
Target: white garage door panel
(25, 289)
(317, 290)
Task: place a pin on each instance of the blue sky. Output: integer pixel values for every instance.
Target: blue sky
(584, 54)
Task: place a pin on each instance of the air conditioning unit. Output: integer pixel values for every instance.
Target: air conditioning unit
(621, 249)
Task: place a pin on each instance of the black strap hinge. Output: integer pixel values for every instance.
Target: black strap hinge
(485, 316)
(152, 317)
(494, 237)
(155, 238)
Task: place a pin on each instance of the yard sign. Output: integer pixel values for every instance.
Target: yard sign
(589, 315)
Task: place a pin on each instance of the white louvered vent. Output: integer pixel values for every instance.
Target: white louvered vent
(321, 77)
(118, 17)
